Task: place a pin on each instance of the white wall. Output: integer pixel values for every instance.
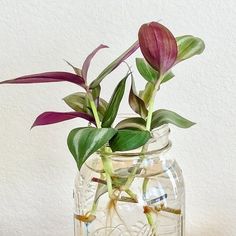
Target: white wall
(36, 169)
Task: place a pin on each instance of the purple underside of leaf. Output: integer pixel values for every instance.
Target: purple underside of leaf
(112, 66)
(47, 77)
(126, 55)
(88, 59)
(52, 117)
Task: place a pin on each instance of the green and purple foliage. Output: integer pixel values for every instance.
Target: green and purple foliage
(161, 52)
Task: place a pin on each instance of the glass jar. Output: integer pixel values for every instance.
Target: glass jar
(153, 202)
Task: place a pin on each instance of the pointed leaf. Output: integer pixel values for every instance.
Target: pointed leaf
(47, 77)
(114, 103)
(189, 46)
(76, 70)
(114, 64)
(88, 59)
(132, 123)
(52, 117)
(136, 103)
(158, 46)
(126, 140)
(83, 142)
(163, 116)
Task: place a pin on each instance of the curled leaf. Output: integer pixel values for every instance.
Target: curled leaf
(136, 103)
(158, 46)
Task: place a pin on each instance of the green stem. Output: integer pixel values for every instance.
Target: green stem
(108, 168)
(151, 104)
(144, 187)
(148, 128)
(95, 112)
(107, 165)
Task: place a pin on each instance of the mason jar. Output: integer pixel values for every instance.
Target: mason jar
(153, 203)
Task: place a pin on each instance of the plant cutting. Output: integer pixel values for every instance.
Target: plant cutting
(127, 184)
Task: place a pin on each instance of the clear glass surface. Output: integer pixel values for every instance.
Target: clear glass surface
(154, 203)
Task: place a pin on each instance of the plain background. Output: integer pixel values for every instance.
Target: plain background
(37, 170)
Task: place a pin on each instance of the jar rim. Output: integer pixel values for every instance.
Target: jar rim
(135, 154)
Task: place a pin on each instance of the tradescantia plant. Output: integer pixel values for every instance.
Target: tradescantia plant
(161, 52)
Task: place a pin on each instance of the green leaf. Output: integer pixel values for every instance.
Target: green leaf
(96, 92)
(102, 107)
(189, 46)
(163, 116)
(146, 70)
(126, 140)
(114, 103)
(76, 101)
(114, 64)
(146, 94)
(79, 102)
(167, 77)
(83, 142)
(132, 123)
(101, 103)
(136, 103)
(150, 74)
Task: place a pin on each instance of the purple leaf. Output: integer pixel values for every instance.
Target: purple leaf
(114, 64)
(158, 46)
(88, 60)
(47, 77)
(52, 117)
